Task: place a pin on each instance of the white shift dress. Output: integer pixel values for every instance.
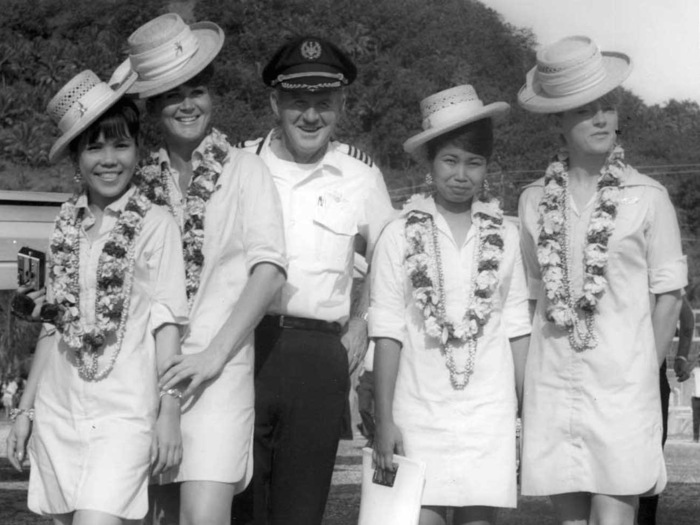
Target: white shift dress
(242, 228)
(466, 437)
(91, 440)
(592, 419)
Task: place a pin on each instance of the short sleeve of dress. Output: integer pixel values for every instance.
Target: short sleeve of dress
(261, 214)
(167, 271)
(376, 213)
(667, 266)
(527, 213)
(516, 313)
(387, 278)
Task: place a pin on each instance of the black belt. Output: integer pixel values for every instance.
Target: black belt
(300, 323)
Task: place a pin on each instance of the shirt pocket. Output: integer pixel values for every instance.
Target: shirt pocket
(335, 229)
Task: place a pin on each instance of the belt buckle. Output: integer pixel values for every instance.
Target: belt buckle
(280, 321)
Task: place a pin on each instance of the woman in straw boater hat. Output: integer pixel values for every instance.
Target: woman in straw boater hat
(598, 239)
(449, 315)
(233, 242)
(116, 283)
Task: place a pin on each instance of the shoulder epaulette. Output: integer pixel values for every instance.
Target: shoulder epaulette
(248, 143)
(358, 154)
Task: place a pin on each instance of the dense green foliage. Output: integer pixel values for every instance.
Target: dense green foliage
(405, 50)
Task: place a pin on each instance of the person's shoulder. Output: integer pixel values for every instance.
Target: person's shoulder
(159, 217)
(354, 158)
(252, 146)
(633, 177)
(532, 192)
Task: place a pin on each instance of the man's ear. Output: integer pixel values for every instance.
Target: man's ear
(274, 103)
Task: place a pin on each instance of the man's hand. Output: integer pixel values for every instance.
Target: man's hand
(355, 342)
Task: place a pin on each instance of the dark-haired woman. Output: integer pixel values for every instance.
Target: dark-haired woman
(599, 239)
(449, 315)
(116, 280)
(233, 242)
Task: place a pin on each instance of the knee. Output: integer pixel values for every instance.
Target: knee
(205, 515)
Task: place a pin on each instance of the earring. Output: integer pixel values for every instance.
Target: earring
(429, 179)
(486, 190)
(77, 176)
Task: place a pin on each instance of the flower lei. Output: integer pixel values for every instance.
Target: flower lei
(425, 267)
(154, 177)
(554, 246)
(115, 272)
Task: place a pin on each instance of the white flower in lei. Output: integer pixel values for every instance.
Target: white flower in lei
(554, 250)
(115, 274)
(424, 266)
(153, 177)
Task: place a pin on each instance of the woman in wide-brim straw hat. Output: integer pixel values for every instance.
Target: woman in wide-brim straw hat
(450, 318)
(116, 286)
(598, 240)
(233, 241)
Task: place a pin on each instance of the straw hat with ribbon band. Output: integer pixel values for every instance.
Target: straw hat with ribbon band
(80, 103)
(571, 73)
(165, 53)
(449, 110)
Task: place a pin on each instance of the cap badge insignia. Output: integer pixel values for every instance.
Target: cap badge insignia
(311, 50)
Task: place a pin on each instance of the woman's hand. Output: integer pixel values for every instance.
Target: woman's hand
(17, 441)
(387, 442)
(195, 368)
(682, 368)
(166, 449)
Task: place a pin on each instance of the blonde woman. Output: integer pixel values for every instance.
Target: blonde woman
(598, 238)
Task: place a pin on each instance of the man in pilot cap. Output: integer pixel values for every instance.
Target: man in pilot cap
(334, 202)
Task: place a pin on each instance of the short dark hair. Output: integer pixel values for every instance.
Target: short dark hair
(203, 78)
(475, 137)
(120, 121)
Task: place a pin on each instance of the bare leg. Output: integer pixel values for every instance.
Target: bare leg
(612, 510)
(205, 503)
(94, 517)
(62, 519)
(432, 516)
(475, 515)
(573, 508)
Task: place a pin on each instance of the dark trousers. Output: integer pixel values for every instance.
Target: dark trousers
(301, 387)
(646, 515)
(695, 404)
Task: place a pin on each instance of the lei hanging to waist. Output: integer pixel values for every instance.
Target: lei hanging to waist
(554, 246)
(154, 178)
(115, 274)
(424, 264)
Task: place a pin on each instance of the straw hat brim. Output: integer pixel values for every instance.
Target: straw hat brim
(618, 67)
(211, 40)
(415, 146)
(58, 150)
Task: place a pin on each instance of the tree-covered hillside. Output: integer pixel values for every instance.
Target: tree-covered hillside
(405, 50)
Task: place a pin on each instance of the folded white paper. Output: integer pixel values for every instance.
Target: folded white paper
(391, 505)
